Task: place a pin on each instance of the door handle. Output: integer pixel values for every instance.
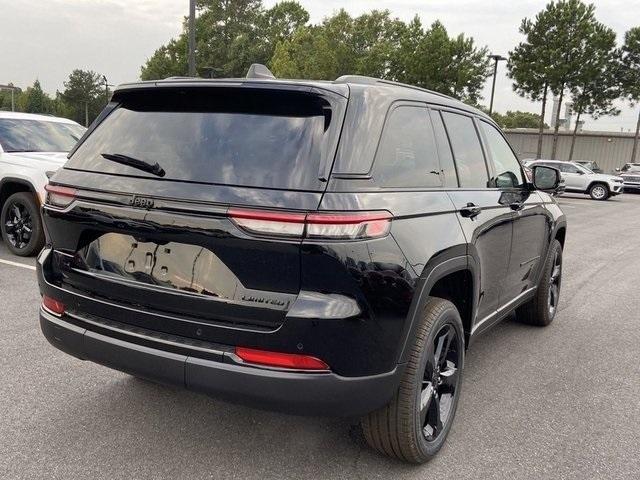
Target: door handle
(470, 211)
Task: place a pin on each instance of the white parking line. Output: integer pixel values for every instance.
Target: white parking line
(16, 264)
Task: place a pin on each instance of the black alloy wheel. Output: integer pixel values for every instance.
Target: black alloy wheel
(440, 383)
(543, 307)
(21, 224)
(554, 284)
(414, 425)
(18, 225)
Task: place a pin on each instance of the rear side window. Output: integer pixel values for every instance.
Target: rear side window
(467, 150)
(243, 137)
(407, 155)
(444, 149)
(508, 173)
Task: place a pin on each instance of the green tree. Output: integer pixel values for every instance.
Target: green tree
(5, 98)
(597, 86)
(319, 52)
(375, 44)
(83, 95)
(307, 54)
(34, 100)
(550, 59)
(517, 119)
(230, 36)
(630, 76)
(431, 59)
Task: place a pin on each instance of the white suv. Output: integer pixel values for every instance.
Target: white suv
(32, 147)
(580, 179)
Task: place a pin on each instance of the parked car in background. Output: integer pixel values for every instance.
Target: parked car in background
(32, 148)
(630, 173)
(302, 255)
(580, 179)
(593, 166)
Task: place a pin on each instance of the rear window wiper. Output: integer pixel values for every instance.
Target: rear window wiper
(153, 168)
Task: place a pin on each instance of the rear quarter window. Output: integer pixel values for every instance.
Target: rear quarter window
(407, 155)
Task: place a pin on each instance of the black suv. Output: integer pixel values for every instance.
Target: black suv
(314, 247)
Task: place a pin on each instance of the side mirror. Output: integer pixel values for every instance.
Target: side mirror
(546, 179)
(618, 169)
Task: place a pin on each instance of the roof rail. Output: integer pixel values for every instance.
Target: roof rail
(180, 77)
(257, 70)
(364, 80)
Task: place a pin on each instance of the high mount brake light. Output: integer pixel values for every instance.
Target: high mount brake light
(58, 196)
(282, 360)
(336, 226)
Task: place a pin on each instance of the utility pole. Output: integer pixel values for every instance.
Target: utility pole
(192, 38)
(496, 59)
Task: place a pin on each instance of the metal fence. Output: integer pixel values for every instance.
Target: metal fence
(609, 149)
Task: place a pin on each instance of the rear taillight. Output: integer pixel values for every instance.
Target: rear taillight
(336, 226)
(52, 305)
(348, 226)
(58, 196)
(264, 222)
(280, 360)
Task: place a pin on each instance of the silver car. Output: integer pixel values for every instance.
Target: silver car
(580, 179)
(630, 173)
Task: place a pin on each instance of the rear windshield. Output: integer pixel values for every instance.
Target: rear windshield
(257, 138)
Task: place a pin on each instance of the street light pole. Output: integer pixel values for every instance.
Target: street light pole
(13, 89)
(496, 59)
(192, 38)
(106, 88)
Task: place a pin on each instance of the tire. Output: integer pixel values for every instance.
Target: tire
(398, 429)
(599, 191)
(21, 224)
(542, 309)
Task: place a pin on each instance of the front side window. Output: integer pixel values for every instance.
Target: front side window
(508, 173)
(23, 135)
(568, 168)
(467, 150)
(407, 156)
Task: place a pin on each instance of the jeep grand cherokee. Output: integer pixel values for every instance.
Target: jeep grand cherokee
(314, 247)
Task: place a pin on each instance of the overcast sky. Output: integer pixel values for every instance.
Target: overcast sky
(46, 39)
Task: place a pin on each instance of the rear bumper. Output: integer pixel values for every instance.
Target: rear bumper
(291, 392)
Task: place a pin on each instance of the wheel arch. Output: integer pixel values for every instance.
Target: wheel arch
(453, 279)
(11, 185)
(598, 182)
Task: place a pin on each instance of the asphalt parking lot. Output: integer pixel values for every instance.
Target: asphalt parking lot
(560, 402)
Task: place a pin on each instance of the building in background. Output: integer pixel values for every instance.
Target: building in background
(610, 149)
